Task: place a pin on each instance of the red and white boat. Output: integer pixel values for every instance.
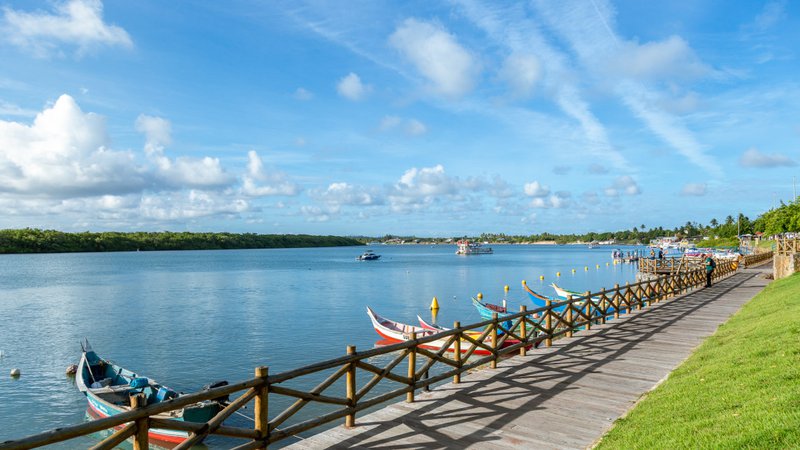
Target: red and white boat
(400, 332)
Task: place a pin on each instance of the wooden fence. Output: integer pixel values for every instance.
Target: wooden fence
(787, 246)
(756, 259)
(670, 265)
(454, 357)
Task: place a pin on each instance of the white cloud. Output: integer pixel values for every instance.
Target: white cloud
(671, 58)
(425, 182)
(411, 127)
(415, 128)
(315, 213)
(192, 204)
(76, 22)
(694, 189)
(65, 153)
(437, 55)
(419, 189)
(342, 194)
(389, 123)
(260, 182)
(773, 12)
(303, 94)
(560, 199)
(753, 157)
(157, 132)
(522, 72)
(539, 202)
(624, 184)
(183, 171)
(536, 189)
(351, 87)
(588, 28)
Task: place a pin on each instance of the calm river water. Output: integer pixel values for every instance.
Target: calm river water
(193, 317)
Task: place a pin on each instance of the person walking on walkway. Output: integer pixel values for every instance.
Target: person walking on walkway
(710, 266)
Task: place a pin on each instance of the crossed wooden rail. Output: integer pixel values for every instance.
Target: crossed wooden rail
(528, 327)
(787, 246)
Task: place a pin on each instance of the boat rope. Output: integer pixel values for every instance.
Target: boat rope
(253, 420)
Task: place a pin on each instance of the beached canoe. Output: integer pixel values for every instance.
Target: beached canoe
(108, 388)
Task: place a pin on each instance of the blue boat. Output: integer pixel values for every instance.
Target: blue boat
(109, 387)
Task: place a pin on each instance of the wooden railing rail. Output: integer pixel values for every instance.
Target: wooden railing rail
(756, 259)
(787, 246)
(456, 355)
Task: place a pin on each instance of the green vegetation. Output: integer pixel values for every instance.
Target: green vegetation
(780, 220)
(718, 242)
(740, 389)
(31, 240)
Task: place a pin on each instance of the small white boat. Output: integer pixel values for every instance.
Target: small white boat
(466, 247)
(368, 255)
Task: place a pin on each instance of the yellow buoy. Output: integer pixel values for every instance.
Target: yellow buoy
(586, 268)
(480, 296)
(598, 266)
(506, 289)
(541, 277)
(523, 282)
(434, 303)
(558, 274)
(573, 270)
(606, 264)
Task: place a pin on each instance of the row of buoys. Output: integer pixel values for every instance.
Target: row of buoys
(585, 268)
(72, 369)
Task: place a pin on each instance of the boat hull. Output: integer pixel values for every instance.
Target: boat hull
(99, 409)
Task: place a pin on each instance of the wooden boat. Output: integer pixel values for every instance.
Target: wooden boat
(487, 309)
(539, 300)
(108, 388)
(564, 293)
(400, 332)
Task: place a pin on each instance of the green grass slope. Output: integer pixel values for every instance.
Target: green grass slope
(740, 389)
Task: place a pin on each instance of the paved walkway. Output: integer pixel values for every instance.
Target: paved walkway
(566, 396)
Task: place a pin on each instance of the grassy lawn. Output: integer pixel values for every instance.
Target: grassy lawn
(740, 389)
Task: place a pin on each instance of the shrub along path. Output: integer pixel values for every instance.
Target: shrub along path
(566, 396)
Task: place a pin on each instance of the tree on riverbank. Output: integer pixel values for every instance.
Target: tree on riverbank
(32, 240)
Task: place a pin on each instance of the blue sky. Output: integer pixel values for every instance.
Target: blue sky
(373, 117)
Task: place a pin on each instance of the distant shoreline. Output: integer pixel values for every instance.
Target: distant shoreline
(30, 240)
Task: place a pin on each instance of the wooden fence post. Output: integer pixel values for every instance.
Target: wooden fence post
(350, 419)
(261, 405)
(523, 332)
(615, 301)
(412, 368)
(548, 323)
(603, 306)
(140, 439)
(569, 317)
(588, 309)
(457, 353)
(493, 365)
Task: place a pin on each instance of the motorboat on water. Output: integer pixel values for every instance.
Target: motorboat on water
(466, 247)
(368, 255)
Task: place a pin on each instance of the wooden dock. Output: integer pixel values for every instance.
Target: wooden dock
(565, 396)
